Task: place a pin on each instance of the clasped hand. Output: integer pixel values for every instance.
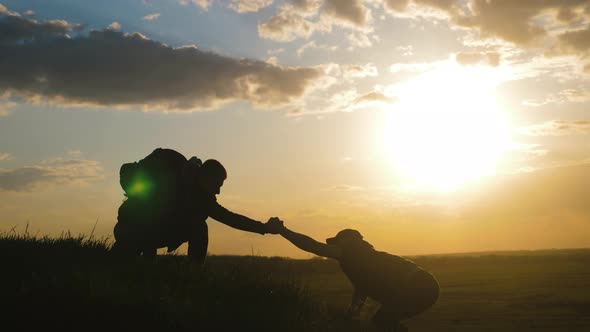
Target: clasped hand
(274, 225)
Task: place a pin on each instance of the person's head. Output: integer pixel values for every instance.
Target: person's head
(350, 239)
(345, 236)
(211, 176)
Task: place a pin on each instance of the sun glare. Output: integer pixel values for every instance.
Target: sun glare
(446, 130)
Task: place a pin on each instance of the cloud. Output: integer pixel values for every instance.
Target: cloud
(6, 106)
(561, 97)
(518, 22)
(151, 17)
(5, 156)
(575, 42)
(345, 187)
(247, 6)
(313, 44)
(359, 71)
(344, 100)
(374, 96)
(114, 26)
(359, 39)
(204, 4)
(350, 12)
(558, 128)
(275, 51)
(15, 28)
(526, 23)
(56, 171)
(407, 50)
(291, 22)
(476, 58)
(418, 67)
(396, 5)
(112, 68)
(301, 18)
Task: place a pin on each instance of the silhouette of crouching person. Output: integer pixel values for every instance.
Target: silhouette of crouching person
(141, 230)
(402, 288)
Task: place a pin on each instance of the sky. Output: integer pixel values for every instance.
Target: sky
(431, 126)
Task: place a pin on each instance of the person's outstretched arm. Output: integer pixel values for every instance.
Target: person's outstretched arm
(304, 242)
(235, 220)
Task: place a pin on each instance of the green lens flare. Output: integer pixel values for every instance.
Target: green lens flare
(141, 186)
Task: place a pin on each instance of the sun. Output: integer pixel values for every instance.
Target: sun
(446, 130)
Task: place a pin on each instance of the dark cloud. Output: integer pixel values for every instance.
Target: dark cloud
(50, 172)
(14, 28)
(112, 68)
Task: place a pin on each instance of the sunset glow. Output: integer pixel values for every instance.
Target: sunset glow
(446, 129)
(427, 125)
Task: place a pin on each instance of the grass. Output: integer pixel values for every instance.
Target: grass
(74, 283)
(70, 282)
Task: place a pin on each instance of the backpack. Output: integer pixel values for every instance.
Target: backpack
(158, 177)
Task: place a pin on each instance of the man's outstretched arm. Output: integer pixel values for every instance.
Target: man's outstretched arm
(235, 220)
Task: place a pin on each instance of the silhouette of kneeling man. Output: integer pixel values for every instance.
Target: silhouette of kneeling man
(168, 204)
(401, 287)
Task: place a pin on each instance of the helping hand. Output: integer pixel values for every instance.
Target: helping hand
(274, 225)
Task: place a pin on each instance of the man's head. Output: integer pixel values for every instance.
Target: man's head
(211, 176)
(344, 236)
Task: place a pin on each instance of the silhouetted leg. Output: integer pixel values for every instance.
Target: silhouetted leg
(198, 242)
(123, 245)
(125, 233)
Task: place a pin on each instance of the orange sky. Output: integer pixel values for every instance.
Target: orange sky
(430, 126)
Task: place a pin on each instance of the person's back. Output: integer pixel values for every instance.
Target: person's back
(153, 210)
(378, 274)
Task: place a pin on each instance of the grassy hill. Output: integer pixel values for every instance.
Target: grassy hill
(73, 283)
